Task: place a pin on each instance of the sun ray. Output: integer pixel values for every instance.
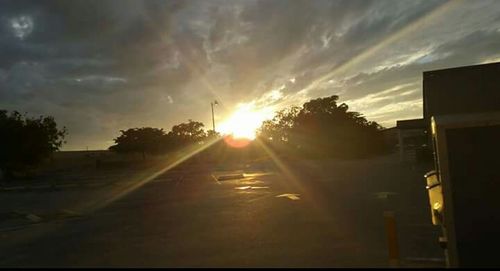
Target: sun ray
(295, 182)
(140, 180)
(245, 121)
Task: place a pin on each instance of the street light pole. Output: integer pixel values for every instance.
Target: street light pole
(213, 119)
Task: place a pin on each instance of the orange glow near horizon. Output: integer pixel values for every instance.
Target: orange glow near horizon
(237, 142)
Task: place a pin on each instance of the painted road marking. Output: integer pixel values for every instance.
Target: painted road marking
(39, 186)
(94, 184)
(70, 212)
(230, 177)
(67, 185)
(33, 218)
(384, 195)
(249, 175)
(237, 174)
(259, 198)
(14, 188)
(251, 187)
(18, 227)
(290, 196)
(250, 182)
(165, 179)
(215, 179)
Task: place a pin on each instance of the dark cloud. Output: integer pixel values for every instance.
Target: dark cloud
(101, 66)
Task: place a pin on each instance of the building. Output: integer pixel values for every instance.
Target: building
(460, 90)
(390, 136)
(412, 136)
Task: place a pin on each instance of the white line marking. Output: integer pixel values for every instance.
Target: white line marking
(217, 181)
(14, 188)
(67, 185)
(34, 218)
(290, 196)
(39, 186)
(259, 198)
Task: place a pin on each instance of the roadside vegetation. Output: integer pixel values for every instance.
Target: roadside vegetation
(322, 128)
(155, 141)
(319, 129)
(26, 141)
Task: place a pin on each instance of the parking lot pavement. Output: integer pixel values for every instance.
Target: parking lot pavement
(201, 221)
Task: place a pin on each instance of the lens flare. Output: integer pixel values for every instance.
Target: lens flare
(237, 142)
(245, 121)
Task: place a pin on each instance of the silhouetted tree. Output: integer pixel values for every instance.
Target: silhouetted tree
(191, 130)
(322, 128)
(27, 141)
(149, 140)
(144, 140)
(279, 129)
(187, 133)
(212, 133)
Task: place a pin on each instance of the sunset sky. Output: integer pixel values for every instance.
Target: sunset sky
(101, 66)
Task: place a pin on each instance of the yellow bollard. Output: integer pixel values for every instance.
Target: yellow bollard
(392, 238)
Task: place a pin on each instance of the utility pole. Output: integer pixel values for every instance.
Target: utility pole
(213, 119)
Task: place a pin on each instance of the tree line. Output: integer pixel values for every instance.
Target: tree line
(154, 141)
(320, 128)
(26, 141)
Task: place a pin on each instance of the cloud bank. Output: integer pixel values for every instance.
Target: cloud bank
(102, 66)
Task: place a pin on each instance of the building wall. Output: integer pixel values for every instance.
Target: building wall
(470, 89)
(391, 136)
(410, 141)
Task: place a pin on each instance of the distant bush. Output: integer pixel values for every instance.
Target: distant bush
(27, 141)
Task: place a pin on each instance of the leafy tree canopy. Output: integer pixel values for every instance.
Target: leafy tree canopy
(27, 141)
(188, 133)
(149, 140)
(141, 140)
(323, 128)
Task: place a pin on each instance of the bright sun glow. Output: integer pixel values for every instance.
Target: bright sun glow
(245, 121)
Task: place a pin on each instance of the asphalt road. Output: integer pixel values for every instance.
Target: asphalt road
(274, 219)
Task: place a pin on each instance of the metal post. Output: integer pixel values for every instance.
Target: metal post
(392, 238)
(401, 145)
(213, 119)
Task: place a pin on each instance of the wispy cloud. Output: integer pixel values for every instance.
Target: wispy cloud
(159, 63)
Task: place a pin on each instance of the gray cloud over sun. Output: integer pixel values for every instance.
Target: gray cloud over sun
(101, 66)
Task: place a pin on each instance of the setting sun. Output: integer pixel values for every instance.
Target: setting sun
(245, 121)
